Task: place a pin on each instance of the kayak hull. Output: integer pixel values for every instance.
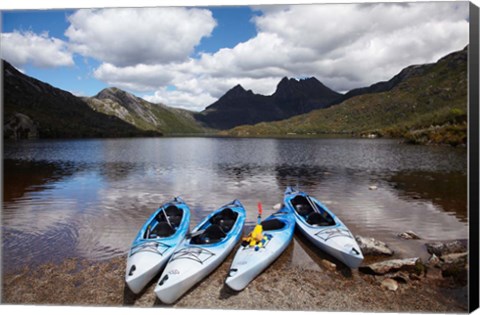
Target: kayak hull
(334, 238)
(150, 253)
(249, 262)
(192, 262)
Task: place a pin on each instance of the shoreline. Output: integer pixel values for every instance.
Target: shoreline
(324, 285)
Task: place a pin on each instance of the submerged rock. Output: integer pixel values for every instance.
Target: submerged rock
(444, 248)
(409, 235)
(381, 268)
(371, 246)
(372, 187)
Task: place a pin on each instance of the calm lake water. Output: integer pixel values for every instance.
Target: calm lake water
(88, 198)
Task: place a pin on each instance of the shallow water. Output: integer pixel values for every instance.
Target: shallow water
(88, 198)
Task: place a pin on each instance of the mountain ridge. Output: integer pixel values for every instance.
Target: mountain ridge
(291, 97)
(422, 104)
(33, 108)
(143, 114)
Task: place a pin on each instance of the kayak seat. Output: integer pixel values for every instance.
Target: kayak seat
(303, 210)
(226, 214)
(316, 219)
(226, 225)
(273, 224)
(212, 234)
(302, 206)
(174, 215)
(163, 229)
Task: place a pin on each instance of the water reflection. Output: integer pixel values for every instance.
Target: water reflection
(88, 198)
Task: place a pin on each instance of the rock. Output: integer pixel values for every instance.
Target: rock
(20, 126)
(399, 276)
(409, 235)
(457, 258)
(373, 187)
(371, 246)
(328, 265)
(390, 284)
(444, 248)
(381, 268)
(433, 260)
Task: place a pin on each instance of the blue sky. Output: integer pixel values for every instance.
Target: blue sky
(233, 26)
(188, 57)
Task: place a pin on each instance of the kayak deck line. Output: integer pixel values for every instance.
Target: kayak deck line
(150, 246)
(329, 233)
(193, 253)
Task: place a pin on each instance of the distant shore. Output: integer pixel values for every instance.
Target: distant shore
(318, 287)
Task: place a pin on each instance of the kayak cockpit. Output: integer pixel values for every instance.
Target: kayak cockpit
(165, 223)
(311, 211)
(273, 224)
(216, 228)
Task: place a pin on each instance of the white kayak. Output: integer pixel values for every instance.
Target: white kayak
(156, 242)
(207, 247)
(250, 261)
(323, 228)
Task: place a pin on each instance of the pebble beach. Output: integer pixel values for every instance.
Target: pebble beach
(322, 284)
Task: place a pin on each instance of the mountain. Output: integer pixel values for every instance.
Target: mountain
(33, 108)
(142, 114)
(292, 97)
(423, 103)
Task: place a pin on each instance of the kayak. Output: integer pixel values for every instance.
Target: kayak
(323, 228)
(156, 242)
(202, 251)
(250, 261)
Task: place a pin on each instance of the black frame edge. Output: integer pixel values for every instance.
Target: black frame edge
(473, 137)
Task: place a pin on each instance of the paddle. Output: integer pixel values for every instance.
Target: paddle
(314, 205)
(260, 210)
(191, 235)
(166, 217)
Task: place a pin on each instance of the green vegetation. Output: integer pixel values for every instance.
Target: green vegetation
(425, 108)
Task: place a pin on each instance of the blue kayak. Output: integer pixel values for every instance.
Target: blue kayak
(323, 228)
(156, 241)
(250, 261)
(202, 252)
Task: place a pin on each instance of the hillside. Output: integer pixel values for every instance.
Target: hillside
(292, 97)
(142, 114)
(34, 109)
(427, 103)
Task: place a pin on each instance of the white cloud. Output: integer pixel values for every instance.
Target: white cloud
(140, 77)
(21, 48)
(343, 45)
(128, 37)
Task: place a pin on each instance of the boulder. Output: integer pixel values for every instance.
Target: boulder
(444, 248)
(383, 267)
(409, 235)
(371, 246)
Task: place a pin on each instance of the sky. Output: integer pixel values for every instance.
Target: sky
(188, 57)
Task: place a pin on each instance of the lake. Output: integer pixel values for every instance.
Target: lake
(88, 198)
